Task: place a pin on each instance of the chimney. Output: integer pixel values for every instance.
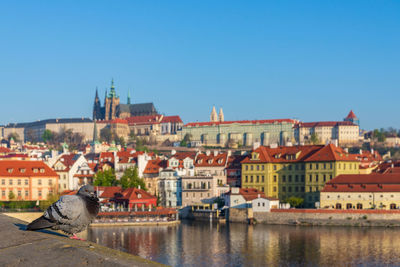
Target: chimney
(229, 153)
(346, 150)
(173, 152)
(361, 151)
(258, 196)
(138, 186)
(256, 145)
(215, 153)
(208, 152)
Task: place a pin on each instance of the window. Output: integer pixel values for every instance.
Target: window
(19, 182)
(316, 166)
(3, 181)
(290, 178)
(296, 189)
(3, 193)
(262, 167)
(26, 181)
(26, 193)
(246, 167)
(310, 166)
(40, 182)
(251, 178)
(10, 182)
(41, 170)
(246, 179)
(274, 188)
(331, 165)
(284, 178)
(283, 188)
(251, 167)
(296, 178)
(274, 167)
(290, 189)
(324, 166)
(258, 178)
(40, 193)
(302, 189)
(262, 179)
(275, 178)
(290, 167)
(22, 170)
(262, 189)
(310, 177)
(310, 188)
(258, 167)
(316, 177)
(302, 178)
(19, 193)
(324, 177)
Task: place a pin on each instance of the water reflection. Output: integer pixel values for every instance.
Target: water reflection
(204, 244)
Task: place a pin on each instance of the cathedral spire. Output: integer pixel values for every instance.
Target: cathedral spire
(214, 115)
(221, 115)
(129, 98)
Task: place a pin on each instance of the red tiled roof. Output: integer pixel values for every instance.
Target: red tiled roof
(351, 115)
(149, 119)
(324, 124)
(153, 166)
(193, 124)
(331, 153)
(249, 193)
(25, 168)
(109, 191)
(172, 119)
(133, 194)
(364, 183)
(283, 154)
(202, 160)
(4, 150)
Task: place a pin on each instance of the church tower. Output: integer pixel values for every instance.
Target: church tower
(111, 103)
(97, 107)
(214, 115)
(221, 115)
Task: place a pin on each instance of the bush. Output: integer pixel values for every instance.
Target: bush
(18, 204)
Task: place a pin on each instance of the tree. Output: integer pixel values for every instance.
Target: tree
(295, 201)
(131, 178)
(314, 139)
(47, 136)
(105, 178)
(11, 195)
(51, 198)
(140, 145)
(186, 140)
(14, 136)
(106, 135)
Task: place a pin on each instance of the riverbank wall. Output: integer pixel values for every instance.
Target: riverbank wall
(318, 217)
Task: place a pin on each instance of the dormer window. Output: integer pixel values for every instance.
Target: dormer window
(35, 170)
(219, 161)
(139, 195)
(10, 170)
(210, 161)
(22, 170)
(41, 170)
(200, 161)
(254, 156)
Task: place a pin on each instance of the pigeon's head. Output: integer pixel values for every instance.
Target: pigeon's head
(87, 190)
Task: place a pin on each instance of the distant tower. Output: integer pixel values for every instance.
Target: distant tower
(97, 107)
(95, 137)
(221, 115)
(111, 103)
(214, 115)
(352, 118)
(129, 98)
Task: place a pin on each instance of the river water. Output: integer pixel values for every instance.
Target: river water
(207, 244)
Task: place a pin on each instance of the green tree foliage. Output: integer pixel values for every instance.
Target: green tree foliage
(186, 140)
(295, 201)
(14, 136)
(379, 135)
(47, 136)
(314, 139)
(105, 178)
(131, 178)
(106, 135)
(11, 195)
(141, 145)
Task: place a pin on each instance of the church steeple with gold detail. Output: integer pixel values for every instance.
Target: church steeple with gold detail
(214, 115)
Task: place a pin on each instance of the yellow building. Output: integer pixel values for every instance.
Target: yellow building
(27, 180)
(380, 191)
(299, 171)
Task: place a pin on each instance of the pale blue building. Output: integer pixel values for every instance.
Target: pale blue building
(170, 188)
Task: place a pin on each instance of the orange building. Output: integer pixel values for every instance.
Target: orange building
(28, 180)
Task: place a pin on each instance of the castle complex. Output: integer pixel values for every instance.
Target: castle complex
(113, 109)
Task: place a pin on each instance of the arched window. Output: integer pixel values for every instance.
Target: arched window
(392, 206)
(349, 206)
(359, 206)
(338, 206)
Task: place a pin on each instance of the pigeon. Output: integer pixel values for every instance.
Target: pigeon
(71, 213)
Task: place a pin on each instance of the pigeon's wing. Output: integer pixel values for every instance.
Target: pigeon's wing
(66, 210)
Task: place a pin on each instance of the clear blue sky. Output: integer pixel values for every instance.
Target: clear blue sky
(311, 60)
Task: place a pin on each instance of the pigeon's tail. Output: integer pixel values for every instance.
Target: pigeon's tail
(40, 223)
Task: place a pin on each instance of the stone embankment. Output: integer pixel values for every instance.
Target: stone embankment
(47, 248)
(318, 217)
